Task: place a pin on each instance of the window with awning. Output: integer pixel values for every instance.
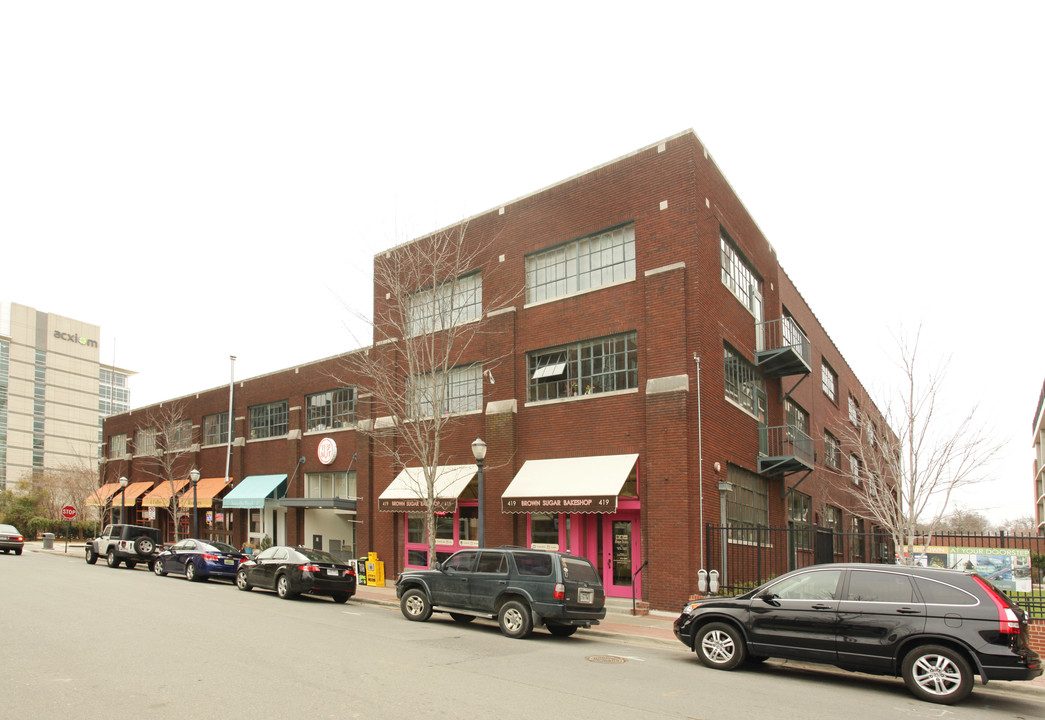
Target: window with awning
(409, 491)
(569, 485)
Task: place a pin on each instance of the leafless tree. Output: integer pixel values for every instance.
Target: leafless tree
(963, 521)
(908, 469)
(430, 315)
(68, 485)
(174, 450)
(1019, 525)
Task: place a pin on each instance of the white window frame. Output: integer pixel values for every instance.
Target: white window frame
(593, 261)
(449, 304)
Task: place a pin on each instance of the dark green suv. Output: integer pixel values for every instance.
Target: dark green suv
(520, 587)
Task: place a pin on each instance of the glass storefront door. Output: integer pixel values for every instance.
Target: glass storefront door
(621, 556)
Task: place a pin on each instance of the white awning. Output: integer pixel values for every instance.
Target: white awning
(568, 485)
(407, 493)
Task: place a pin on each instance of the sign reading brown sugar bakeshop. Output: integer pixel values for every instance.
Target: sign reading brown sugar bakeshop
(590, 504)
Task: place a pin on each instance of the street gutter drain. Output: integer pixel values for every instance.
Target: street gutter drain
(607, 659)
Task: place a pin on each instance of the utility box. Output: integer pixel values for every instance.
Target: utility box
(375, 570)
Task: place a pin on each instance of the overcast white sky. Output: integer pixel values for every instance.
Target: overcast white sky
(205, 179)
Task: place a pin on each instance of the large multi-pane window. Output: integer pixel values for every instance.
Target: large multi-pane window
(744, 384)
(795, 417)
(332, 409)
(117, 445)
(748, 505)
(856, 540)
(584, 368)
(833, 520)
(145, 441)
(799, 519)
(856, 468)
(179, 435)
(450, 303)
(832, 451)
(216, 429)
(829, 381)
(854, 411)
(330, 484)
(739, 277)
(459, 390)
(590, 262)
(269, 420)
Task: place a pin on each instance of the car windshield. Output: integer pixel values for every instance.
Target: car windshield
(318, 556)
(8, 529)
(217, 547)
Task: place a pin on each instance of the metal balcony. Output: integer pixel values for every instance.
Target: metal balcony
(781, 348)
(783, 450)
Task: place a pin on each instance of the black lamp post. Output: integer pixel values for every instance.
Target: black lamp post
(194, 476)
(479, 451)
(123, 499)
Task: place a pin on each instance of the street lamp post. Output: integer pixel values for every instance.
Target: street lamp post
(123, 499)
(479, 451)
(194, 476)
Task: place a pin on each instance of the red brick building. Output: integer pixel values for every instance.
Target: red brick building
(632, 280)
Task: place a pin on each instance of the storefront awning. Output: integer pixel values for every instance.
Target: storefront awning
(568, 485)
(407, 493)
(252, 492)
(129, 497)
(101, 496)
(207, 489)
(160, 496)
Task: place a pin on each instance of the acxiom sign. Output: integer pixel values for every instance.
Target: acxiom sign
(73, 337)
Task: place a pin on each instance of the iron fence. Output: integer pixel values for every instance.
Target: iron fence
(748, 555)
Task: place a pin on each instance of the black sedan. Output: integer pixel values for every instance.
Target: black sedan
(199, 560)
(936, 628)
(11, 540)
(294, 571)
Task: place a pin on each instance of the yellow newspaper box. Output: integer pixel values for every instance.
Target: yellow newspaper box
(375, 570)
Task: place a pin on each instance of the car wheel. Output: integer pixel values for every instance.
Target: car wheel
(91, 556)
(190, 572)
(462, 618)
(561, 630)
(18, 551)
(937, 674)
(283, 588)
(415, 605)
(110, 559)
(157, 567)
(131, 564)
(241, 581)
(144, 546)
(340, 598)
(514, 619)
(719, 646)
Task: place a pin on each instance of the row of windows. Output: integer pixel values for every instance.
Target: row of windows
(590, 262)
(584, 368)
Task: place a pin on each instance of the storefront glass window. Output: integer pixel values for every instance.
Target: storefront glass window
(544, 531)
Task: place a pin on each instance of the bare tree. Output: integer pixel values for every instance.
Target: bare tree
(904, 474)
(69, 485)
(963, 521)
(174, 450)
(1019, 525)
(427, 323)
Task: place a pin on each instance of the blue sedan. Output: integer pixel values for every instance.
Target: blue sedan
(199, 559)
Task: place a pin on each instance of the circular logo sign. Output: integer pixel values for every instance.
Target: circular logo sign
(68, 512)
(327, 451)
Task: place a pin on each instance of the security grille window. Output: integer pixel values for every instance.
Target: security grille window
(145, 441)
(829, 381)
(451, 303)
(798, 519)
(458, 391)
(216, 429)
(832, 451)
(332, 409)
(330, 484)
(856, 468)
(590, 262)
(833, 521)
(744, 384)
(584, 368)
(269, 420)
(796, 418)
(747, 505)
(854, 412)
(117, 445)
(739, 277)
(179, 436)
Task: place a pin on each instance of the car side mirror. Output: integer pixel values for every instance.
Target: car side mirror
(769, 598)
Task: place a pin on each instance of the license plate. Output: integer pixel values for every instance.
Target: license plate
(230, 561)
(585, 596)
(332, 571)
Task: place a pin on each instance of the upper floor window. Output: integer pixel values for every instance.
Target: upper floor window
(330, 484)
(832, 451)
(269, 420)
(854, 412)
(145, 441)
(796, 417)
(179, 436)
(744, 384)
(459, 390)
(856, 468)
(584, 368)
(739, 277)
(829, 381)
(331, 409)
(117, 445)
(216, 428)
(590, 262)
(453, 302)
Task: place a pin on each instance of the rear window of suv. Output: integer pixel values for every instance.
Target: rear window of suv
(536, 564)
(579, 570)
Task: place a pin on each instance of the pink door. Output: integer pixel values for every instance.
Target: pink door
(620, 554)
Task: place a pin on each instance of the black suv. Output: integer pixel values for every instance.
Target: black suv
(519, 587)
(936, 628)
(129, 544)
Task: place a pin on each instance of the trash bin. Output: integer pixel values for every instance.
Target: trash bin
(48, 541)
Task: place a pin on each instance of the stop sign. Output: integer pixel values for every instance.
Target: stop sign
(68, 512)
